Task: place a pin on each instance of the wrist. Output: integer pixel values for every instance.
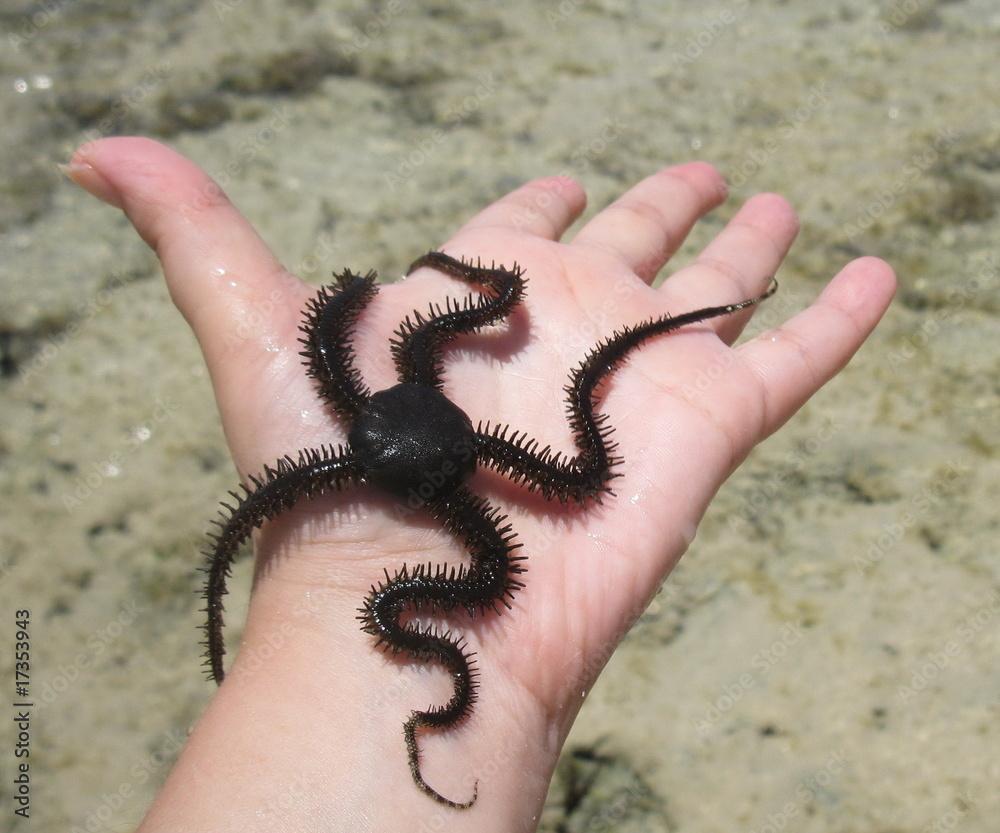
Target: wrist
(306, 730)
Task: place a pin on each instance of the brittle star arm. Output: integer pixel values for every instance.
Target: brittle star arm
(587, 474)
(434, 589)
(315, 472)
(327, 329)
(416, 349)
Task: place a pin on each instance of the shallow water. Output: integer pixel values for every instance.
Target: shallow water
(826, 656)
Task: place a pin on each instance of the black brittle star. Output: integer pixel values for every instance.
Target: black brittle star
(411, 439)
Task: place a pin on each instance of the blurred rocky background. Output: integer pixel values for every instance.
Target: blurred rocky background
(825, 659)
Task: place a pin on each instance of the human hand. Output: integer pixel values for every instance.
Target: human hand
(328, 708)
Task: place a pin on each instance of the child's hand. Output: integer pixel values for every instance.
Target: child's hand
(311, 710)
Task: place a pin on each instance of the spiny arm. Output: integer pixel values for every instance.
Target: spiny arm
(486, 583)
(316, 471)
(327, 330)
(419, 340)
(587, 474)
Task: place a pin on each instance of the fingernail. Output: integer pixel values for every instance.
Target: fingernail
(92, 181)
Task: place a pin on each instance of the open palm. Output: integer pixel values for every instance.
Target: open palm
(687, 407)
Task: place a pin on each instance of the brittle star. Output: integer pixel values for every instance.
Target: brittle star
(410, 439)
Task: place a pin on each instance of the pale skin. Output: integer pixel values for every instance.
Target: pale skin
(305, 733)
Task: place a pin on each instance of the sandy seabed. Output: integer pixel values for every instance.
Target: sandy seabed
(825, 659)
